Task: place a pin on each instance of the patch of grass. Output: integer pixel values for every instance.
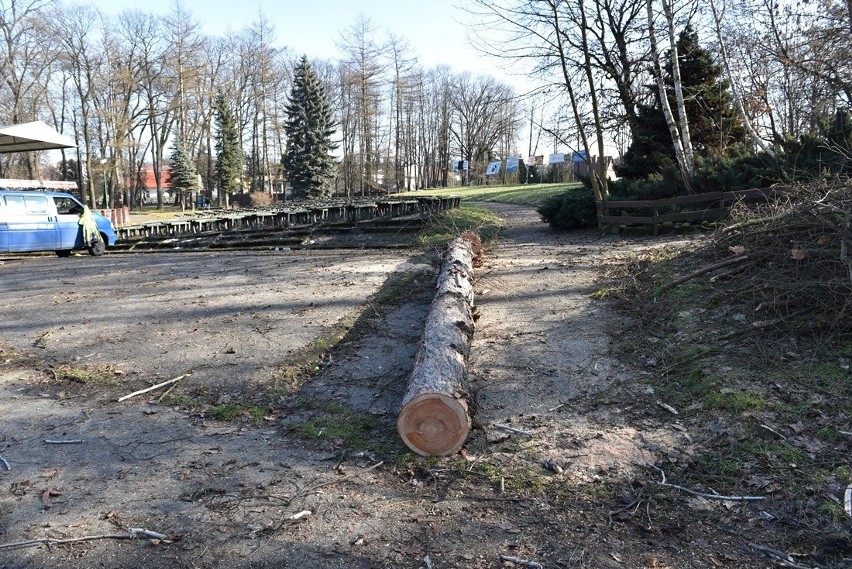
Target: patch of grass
(232, 411)
(726, 467)
(178, 400)
(735, 402)
(100, 375)
(397, 287)
(699, 387)
(831, 510)
(308, 361)
(338, 423)
(524, 194)
(450, 224)
(693, 387)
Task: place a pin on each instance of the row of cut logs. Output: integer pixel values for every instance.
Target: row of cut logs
(435, 417)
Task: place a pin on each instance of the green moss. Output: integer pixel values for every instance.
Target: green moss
(338, 423)
(104, 376)
(232, 411)
(735, 402)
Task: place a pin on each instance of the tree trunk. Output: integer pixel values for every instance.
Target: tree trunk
(435, 417)
(717, 17)
(677, 143)
(686, 139)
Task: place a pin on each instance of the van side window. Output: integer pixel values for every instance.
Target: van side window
(15, 205)
(64, 205)
(36, 205)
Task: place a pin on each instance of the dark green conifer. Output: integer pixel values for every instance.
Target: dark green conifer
(229, 159)
(183, 176)
(714, 125)
(308, 163)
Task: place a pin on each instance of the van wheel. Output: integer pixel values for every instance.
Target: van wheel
(63, 253)
(98, 247)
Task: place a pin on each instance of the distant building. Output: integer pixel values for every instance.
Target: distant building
(149, 184)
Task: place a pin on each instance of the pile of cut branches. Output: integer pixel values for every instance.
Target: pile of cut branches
(791, 259)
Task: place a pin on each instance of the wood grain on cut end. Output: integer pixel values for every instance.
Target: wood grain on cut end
(434, 424)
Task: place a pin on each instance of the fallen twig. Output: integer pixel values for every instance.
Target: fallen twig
(512, 430)
(131, 533)
(166, 393)
(704, 494)
(704, 270)
(152, 388)
(142, 532)
(300, 515)
(778, 556)
(771, 430)
(760, 325)
(5, 463)
(63, 442)
(522, 562)
(668, 408)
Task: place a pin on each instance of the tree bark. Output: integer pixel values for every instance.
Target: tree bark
(686, 139)
(677, 142)
(435, 417)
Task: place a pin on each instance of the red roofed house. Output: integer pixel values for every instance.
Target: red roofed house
(149, 185)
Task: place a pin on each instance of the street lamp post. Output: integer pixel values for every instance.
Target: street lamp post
(106, 197)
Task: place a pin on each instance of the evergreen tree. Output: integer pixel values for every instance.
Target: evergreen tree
(715, 127)
(183, 177)
(307, 161)
(229, 159)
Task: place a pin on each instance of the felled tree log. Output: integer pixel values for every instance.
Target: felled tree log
(435, 417)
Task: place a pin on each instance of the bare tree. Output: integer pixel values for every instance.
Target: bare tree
(404, 83)
(619, 50)
(158, 94)
(363, 79)
(25, 62)
(81, 59)
(718, 16)
(554, 37)
(482, 112)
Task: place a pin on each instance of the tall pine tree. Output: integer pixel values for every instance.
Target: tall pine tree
(308, 163)
(229, 156)
(183, 176)
(715, 127)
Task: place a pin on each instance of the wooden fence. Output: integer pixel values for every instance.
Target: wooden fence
(692, 208)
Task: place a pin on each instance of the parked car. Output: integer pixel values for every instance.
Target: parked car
(35, 220)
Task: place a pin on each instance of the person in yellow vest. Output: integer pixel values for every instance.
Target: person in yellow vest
(91, 236)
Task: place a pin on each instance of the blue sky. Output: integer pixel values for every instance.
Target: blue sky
(433, 28)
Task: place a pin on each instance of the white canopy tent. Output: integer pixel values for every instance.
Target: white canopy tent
(31, 136)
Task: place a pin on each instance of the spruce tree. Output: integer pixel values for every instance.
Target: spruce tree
(308, 163)
(229, 159)
(183, 176)
(715, 127)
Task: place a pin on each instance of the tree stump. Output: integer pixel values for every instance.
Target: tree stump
(435, 417)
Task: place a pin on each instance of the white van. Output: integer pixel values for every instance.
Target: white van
(35, 220)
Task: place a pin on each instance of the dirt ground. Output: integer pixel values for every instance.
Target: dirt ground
(549, 477)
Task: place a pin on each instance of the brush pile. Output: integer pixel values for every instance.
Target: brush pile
(791, 259)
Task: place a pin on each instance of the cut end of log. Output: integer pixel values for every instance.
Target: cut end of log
(434, 424)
